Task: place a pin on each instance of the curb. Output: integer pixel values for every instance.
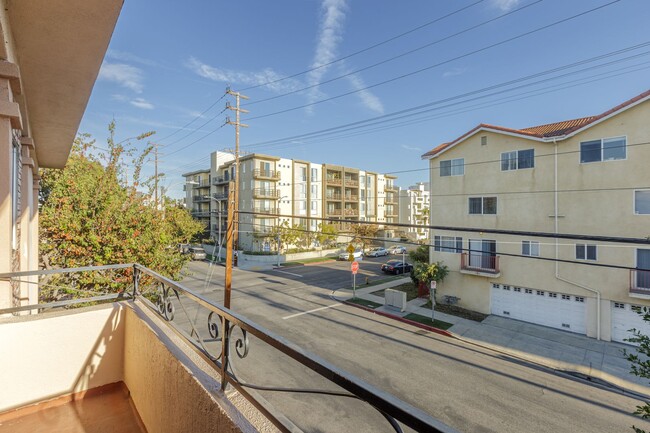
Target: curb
(611, 381)
(403, 320)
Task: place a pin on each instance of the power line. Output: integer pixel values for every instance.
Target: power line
(374, 65)
(195, 118)
(437, 64)
(467, 94)
(365, 49)
(197, 140)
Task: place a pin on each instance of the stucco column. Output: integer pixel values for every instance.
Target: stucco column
(26, 214)
(9, 120)
(34, 256)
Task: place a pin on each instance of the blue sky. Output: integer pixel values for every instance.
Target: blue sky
(167, 64)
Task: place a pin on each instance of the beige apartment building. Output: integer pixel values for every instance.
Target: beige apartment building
(586, 176)
(301, 191)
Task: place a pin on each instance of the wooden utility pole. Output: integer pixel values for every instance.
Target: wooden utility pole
(233, 191)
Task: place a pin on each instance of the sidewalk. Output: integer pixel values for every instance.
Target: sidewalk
(552, 348)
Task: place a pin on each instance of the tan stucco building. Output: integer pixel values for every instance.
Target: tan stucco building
(586, 176)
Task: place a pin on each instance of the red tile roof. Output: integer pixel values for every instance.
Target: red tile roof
(557, 129)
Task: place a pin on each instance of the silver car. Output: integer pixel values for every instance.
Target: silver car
(377, 252)
(197, 253)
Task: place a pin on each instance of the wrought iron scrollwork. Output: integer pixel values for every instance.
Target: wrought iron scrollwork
(242, 344)
(165, 305)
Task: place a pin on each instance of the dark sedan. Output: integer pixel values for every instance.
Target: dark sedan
(396, 267)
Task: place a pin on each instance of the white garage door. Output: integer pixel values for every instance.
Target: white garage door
(556, 310)
(624, 318)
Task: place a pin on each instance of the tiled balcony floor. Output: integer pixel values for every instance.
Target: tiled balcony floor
(107, 411)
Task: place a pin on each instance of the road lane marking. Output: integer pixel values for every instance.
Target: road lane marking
(311, 311)
(289, 273)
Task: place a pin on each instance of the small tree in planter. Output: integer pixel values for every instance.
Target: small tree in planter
(423, 273)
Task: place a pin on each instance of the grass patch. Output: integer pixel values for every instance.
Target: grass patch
(365, 303)
(409, 288)
(305, 261)
(457, 311)
(427, 321)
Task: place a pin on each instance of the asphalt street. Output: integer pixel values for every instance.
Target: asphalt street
(469, 388)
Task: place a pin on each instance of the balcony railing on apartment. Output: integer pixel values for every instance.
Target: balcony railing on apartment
(266, 174)
(200, 198)
(333, 212)
(266, 210)
(262, 231)
(220, 196)
(640, 281)
(350, 211)
(266, 193)
(477, 262)
(352, 183)
(220, 180)
(223, 338)
(336, 197)
(351, 197)
(200, 213)
(333, 181)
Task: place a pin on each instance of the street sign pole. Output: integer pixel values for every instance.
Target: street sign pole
(433, 299)
(354, 267)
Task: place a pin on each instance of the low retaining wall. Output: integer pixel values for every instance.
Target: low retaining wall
(271, 258)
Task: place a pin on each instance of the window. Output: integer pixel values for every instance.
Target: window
(530, 248)
(580, 299)
(483, 205)
(585, 252)
(642, 202)
(452, 167)
(607, 149)
(619, 305)
(483, 140)
(314, 175)
(314, 206)
(518, 159)
(303, 174)
(517, 289)
(448, 244)
(566, 297)
(540, 292)
(314, 191)
(528, 291)
(552, 295)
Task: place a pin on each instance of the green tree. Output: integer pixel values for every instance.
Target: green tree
(420, 255)
(326, 234)
(641, 363)
(288, 235)
(363, 233)
(90, 216)
(425, 273)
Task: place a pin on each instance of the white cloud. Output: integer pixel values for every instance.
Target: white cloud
(369, 99)
(329, 36)
(454, 72)
(247, 78)
(125, 56)
(125, 75)
(118, 97)
(142, 103)
(505, 5)
(404, 146)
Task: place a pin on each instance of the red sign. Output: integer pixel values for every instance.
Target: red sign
(354, 267)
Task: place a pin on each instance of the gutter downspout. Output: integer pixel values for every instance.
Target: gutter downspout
(557, 246)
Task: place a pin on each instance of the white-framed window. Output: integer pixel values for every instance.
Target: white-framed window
(448, 244)
(452, 167)
(303, 174)
(606, 149)
(518, 160)
(314, 205)
(586, 252)
(314, 175)
(642, 202)
(314, 191)
(530, 248)
(482, 205)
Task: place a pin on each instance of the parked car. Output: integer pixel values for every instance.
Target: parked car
(397, 250)
(396, 267)
(358, 255)
(376, 252)
(197, 253)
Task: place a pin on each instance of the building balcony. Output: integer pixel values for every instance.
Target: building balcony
(201, 213)
(333, 181)
(334, 197)
(640, 283)
(151, 355)
(266, 193)
(335, 212)
(221, 180)
(262, 231)
(388, 188)
(200, 198)
(351, 197)
(267, 210)
(479, 264)
(266, 174)
(220, 196)
(351, 212)
(351, 183)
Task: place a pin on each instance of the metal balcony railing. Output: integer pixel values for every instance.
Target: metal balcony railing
(479, 262)
(266, 210)
(200, 198)
(225, 339)
(640, 281)
(266, 193)
(351, 197)
(220, 195)
(336, 197)
(333, 211)
(266, 174)
(349, 211)
(220, 180)
(200, 213)
(351, 183)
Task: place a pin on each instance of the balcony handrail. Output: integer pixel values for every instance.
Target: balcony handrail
(273, 174)
(489, 262)
(389, 406)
